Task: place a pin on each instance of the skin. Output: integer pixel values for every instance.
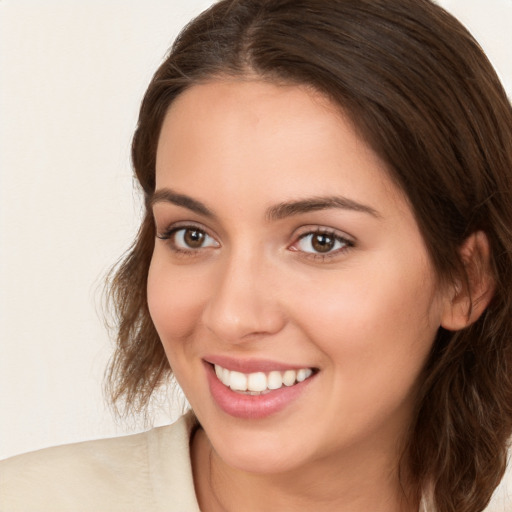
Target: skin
(364, 315)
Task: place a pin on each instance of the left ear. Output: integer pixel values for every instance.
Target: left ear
(467, 300)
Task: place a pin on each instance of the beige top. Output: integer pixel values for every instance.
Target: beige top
(122, 474)
(148, 472)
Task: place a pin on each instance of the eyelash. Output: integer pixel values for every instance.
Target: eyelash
(322, 257)
(170, 233)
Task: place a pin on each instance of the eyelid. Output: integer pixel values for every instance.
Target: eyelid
(318, 228)
(348, 241)
(172, 227)
(168, 233)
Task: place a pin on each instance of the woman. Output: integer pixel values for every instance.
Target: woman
(325, 264)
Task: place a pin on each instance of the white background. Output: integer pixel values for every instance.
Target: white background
(72, 75)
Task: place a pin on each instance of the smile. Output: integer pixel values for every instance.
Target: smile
(259, 383)
(256, 389)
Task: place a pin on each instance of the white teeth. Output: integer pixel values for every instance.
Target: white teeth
(237, 381)
(258, 382)
(274, 380)
(303, 374)
(289, 377)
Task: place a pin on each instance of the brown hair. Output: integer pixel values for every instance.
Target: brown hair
(425, 97)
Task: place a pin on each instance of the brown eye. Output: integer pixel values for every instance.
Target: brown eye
(194, 238)
(189, 238)
(322, 242)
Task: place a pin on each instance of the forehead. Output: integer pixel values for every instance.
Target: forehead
(246, 137)
(241, 107)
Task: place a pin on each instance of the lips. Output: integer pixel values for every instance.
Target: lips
(255, 389)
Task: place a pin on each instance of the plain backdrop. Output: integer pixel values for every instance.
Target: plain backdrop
(72, 75)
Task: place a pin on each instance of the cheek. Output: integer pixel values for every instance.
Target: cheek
(377, 338)
(174, 300)
(375, 324)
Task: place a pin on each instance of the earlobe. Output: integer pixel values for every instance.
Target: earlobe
(469, 298)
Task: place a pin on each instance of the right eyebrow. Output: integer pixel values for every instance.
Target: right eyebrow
(166, 195)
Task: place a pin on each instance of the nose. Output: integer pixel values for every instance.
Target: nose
(244, 303)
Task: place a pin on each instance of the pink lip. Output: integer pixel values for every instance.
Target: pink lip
(250, 365)
(252, 407)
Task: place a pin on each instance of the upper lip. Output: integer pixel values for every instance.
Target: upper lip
(251, 365)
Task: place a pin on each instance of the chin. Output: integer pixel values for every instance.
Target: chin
(264, 461)
(259, 451)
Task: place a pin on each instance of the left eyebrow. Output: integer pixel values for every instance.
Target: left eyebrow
(290, 208)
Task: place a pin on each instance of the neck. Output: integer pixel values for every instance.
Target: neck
(356, 482)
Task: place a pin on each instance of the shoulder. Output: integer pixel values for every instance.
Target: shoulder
(137, 472)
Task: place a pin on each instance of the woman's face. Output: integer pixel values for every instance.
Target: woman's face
(287, 261)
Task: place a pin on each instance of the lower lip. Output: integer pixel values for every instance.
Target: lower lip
(252, 407)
